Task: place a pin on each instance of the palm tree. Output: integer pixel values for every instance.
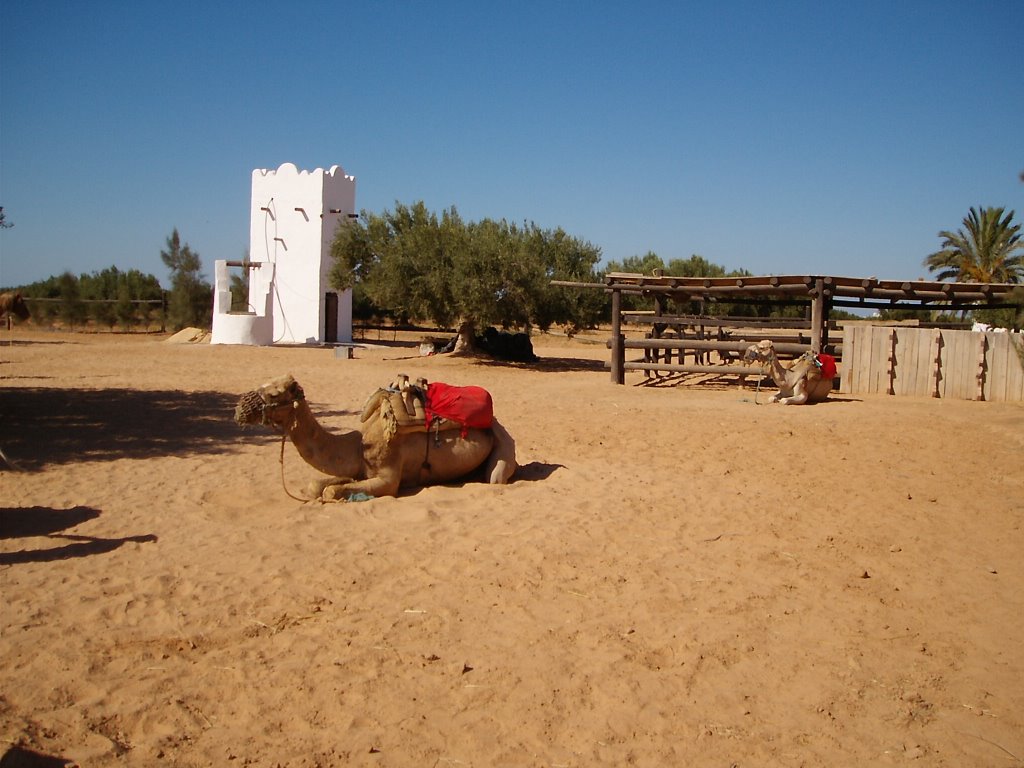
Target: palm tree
(989, 251)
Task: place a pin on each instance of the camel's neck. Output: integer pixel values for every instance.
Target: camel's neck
(339, 454)
(778, 371)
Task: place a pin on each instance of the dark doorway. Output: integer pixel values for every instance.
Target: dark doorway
(330, 318)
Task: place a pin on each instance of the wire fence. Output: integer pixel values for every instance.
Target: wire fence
(113, 315)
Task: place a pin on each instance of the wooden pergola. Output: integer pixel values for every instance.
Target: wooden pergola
(820, 293)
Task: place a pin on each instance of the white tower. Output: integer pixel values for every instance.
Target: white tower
(294, 216)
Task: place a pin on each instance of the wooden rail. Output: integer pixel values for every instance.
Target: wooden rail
(714, 346)
(739, 370)
(644, 318)
(708, 335)
(652, 348)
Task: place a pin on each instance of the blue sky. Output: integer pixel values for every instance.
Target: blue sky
(782, 137)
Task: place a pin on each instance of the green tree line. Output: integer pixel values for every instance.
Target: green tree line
(413, 265)
(108, 298)
(113, 298)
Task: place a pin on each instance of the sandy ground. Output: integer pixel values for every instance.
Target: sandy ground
(678, 576)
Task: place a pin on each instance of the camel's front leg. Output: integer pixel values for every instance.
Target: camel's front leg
(799, 396)
(501, 464)
(315, 488)
(381, 485)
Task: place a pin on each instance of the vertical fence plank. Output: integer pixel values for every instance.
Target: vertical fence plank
(995, 364)
(981, 367)
(952, 365)
(845, 369)
(966, 366)
(853, 337)
(864, 361)
(924, 364)
(890, 362)
(867, 354)
(905, 352)
(881, 349)
(1014, 367)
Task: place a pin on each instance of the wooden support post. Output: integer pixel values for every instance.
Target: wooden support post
(826, 311)
(618, 344)
(655, 354)
(937, 362)
(817, 312)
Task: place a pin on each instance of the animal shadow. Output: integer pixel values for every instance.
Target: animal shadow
(535, 471)
(46, 522)
(19, 757)
(42, 521)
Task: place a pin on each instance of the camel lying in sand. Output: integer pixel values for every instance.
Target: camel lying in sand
(394, 449)
(807, 380)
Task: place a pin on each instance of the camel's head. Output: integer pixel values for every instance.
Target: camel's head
(271, 404)
(762, 353)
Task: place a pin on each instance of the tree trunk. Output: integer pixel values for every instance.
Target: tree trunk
(466, 343)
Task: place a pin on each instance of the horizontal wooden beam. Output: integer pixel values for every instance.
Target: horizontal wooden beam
(910, 294)
(576, 284)
(738, 370)
(787, 348)
(713, 290)
(648, 318)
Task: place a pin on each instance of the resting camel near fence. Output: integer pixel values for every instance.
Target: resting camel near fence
(807, 380)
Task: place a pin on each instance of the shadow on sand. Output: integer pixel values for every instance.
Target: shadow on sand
(535, 471)
(20, 757)
(32, 522)
(40, 426)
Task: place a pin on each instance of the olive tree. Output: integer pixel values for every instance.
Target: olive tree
(415, 265)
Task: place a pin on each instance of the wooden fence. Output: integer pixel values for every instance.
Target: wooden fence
(925, 362)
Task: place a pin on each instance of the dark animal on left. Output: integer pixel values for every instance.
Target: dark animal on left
(13, 303)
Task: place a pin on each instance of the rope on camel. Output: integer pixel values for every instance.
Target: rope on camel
(284, 437)
(251, 407)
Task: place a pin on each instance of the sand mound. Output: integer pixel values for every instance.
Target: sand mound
(189, 336)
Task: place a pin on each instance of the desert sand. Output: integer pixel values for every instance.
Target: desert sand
(678, 576)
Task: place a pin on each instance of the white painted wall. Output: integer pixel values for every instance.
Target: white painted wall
(293, 219)
(255, 327)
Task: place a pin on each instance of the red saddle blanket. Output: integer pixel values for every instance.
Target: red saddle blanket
(827, 363)
(469, 406)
